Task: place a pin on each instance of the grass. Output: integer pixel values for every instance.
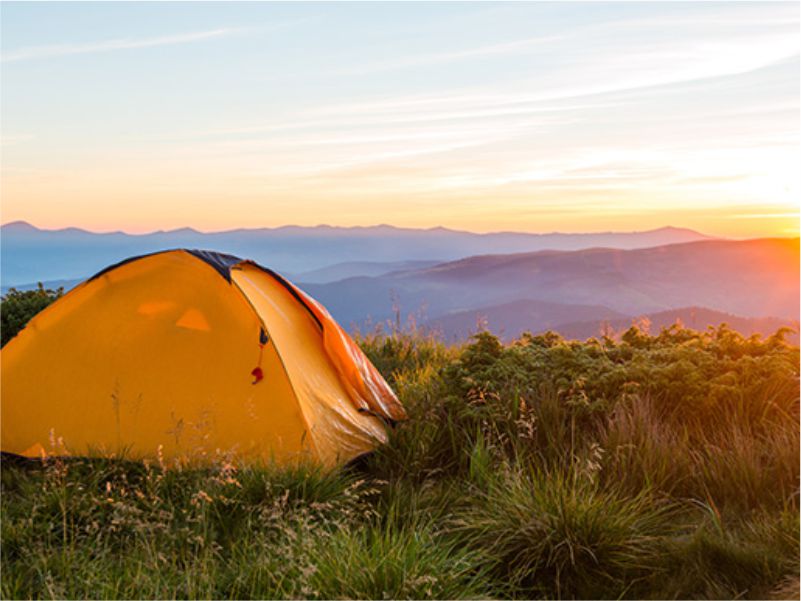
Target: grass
(654, 466)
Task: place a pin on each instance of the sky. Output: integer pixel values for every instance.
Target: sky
(538, 117)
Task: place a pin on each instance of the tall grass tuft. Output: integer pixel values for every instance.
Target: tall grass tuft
(559, 535)
(411, 562)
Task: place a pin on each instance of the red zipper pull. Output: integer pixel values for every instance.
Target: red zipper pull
(257, 372)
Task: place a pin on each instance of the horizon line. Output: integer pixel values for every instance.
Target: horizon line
(22, 222)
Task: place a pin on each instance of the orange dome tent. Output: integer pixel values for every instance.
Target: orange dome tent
(198, 353)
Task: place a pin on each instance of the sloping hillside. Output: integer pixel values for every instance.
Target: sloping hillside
(753, 278)
(509, 320)
(352, 269)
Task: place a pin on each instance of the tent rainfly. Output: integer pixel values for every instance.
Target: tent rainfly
(191, 354)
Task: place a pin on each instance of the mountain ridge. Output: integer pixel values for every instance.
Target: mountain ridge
(26, 225)
(750, 278)
(30, 254)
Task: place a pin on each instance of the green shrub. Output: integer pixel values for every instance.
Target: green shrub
(17, 307)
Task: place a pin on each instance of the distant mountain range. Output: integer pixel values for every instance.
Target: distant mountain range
(577, 284)
(752, 278)
(30, 254)
(350, 269)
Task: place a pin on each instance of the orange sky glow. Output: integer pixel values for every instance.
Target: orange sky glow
(534, 117)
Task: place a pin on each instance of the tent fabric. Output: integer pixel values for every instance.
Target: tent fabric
(157, 354)
(367, 388)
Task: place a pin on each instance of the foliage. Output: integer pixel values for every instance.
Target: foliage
(651, 466)
(558, 534)
(17, 307)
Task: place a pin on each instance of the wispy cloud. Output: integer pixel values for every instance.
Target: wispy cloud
(49, 51)
(761, 215)
(513, 47)
(613, 71)
(9, 139)
(612, 35)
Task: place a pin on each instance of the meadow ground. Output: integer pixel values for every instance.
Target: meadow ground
(651, 466)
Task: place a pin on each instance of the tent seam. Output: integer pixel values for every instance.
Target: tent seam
(283, 367)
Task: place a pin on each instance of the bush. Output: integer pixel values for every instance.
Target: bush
(18, 307)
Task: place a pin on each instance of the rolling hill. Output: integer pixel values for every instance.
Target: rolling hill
(350, 269)
(509, 320)
(752, 278)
